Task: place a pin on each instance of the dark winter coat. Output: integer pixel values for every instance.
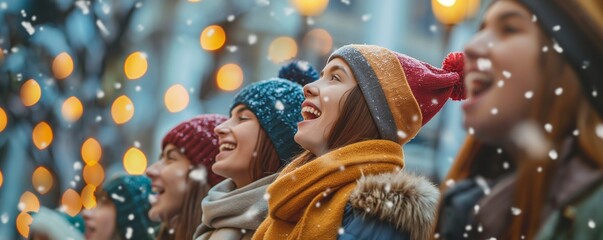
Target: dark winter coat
(375, 212)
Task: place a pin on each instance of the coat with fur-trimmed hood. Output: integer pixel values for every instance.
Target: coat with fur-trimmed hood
(396, 205)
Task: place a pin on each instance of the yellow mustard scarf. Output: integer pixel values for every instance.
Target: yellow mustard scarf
(307, 201)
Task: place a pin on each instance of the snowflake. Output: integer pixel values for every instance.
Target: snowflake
(548, 127)
(507, 74)
(471, 131)
(558, 91)
(494, 111)
(500, 83)
(553, 154)
(402, 134)
(484, 64)
(515, 211)
(529, 94)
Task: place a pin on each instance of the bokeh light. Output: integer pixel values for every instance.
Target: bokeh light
(42, 135)
(93, 174)
(91, 151)
(319, 40)
(87, 196)
(135, 162)
(450, 12)
(136, 65)
(1, 179)
(23, 221)
(42, 180)
(282, 49)
(30, 92)
(212, 38)
(310, 7)
(3, 119)
(229, 77)
(62, 66)
(122, 109)
(176, 98)
(29, 202)
(72, 202)
(72, 109)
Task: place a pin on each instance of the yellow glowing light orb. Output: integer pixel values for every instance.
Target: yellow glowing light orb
(87, 196)
(136, 65)
(319, 40)
(91, 151)
(42, 180)
(282, 49)
(135, 162)
(229, 77)
(62, 66)
(176, 98)
(42, 135)
(310, 7)
(450, 12)
(30, 92)
(29, 202)
(72, 203)
(72, 109)
(212, 37)
(1, 179)
(93, 174)
(3, 119)
(23, 221)
(122, 109)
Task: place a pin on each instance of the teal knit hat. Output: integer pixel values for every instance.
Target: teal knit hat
(130, 195)
(277, 105)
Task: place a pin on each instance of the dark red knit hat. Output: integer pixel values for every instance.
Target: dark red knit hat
(197, 141)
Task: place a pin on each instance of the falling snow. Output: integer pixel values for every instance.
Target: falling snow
(266, 196)
(585, 64)
(507, 74)
(137, 88)
(341, 231)
(576, 132)
(100, 94)
(77, 165)
(515, 211)
(98, 118)
(118, 198)
(366, 17)
(528, 94)
(594, 93)
(346, 2)
(4, 218)
(499, 150)
(3, 5)
(558, 48)
(131, 217)
(539, 169)
(129, 232)
(199, 174)
(252, 39)
(500, 83)
(232, 48)
(230, 18)
(152, 198)
(558, 91)
(534, 18)
(151, 231)
(471, 131)
(591, 224)
(402, 134)
(494, 111)
(506, 165)
(137, 144)
(556, 28)
(548, 127)
(476, 209)
(484, 64)
(101, 26)
(433, 28)
(599, 130)
(310, 21)
(553, 154)
(279, 105)
(28, 27)
(449, 182)
(545, 49)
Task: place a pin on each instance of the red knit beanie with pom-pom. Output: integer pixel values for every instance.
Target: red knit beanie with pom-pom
(195, 138)
(402, 93)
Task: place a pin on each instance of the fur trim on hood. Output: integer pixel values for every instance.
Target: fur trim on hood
(401, 199)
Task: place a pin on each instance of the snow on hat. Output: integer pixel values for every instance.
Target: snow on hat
(576, 27)
(197, 141)
(277, 105)
(402, 93)
(130, 195)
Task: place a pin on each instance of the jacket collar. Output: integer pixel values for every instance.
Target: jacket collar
(401, 199)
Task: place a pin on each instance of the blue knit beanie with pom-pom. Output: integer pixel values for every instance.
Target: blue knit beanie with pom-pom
(277, 105)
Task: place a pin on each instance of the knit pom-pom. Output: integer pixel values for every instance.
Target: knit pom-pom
(454, 63)
(300, 72)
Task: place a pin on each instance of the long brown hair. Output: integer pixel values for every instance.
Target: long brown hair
(265, 159)
(354, 124)
(559, 111)
(190, 213)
